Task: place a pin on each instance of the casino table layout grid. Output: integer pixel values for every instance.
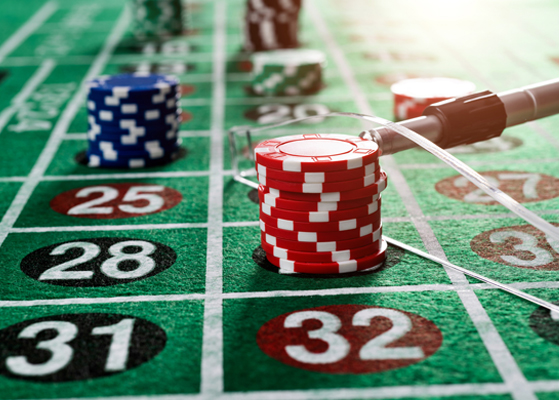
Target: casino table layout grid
(177, 301)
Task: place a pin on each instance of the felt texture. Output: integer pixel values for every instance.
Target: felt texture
(382, 44)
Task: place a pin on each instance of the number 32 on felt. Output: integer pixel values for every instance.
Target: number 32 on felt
(349, 339)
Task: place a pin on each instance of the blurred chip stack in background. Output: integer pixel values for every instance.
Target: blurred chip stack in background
(287, 72)
(156, 19)
(271, 24)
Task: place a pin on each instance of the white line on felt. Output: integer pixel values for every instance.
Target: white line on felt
(235, 295)
(102, 228)
(27, 29)
(59, 130)
(341, 291)
(396, 219)
(31, 61)
(30, 86)
(130, 175)
(386, 392)
(268, 100)
(191, 57)
(97, 27)
(240, 224)
(520, 285)
(211, 380)
(500, 354)
(545, 386)
(185, 102)
(100, 300)
(13, 179)
(200, 133)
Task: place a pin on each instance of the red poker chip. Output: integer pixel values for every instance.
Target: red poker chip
(316, 153)
(273, 200)
(334, 226)
(315, 236)
(319, 247)
(317, 177)
(327, 257)
(368, 262)
(319, 216)
(326, 187)
(368, 191)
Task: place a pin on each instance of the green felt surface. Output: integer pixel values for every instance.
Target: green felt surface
(192, 208)
(181, 322)
(401, 269)
(189, 266)
(265, 373)
(217, 294)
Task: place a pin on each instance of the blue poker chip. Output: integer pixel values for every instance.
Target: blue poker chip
(132, 135)
(151, 118)
(148, 99)
(98, 160)
(133, 120)
(130, 107)
(140, 146)
(138, 82)
(144, 118)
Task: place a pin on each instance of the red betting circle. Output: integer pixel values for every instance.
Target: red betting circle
(273, 339)
(520, 246)
(69, 200)
(187, 90)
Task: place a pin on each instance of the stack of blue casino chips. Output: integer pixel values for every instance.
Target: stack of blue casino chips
(133, 120)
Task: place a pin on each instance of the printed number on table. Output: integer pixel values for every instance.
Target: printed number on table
(349, 339)
(73, 347)
(98, 261)
(117, 200)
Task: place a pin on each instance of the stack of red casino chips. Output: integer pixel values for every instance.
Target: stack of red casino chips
(320, 203)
